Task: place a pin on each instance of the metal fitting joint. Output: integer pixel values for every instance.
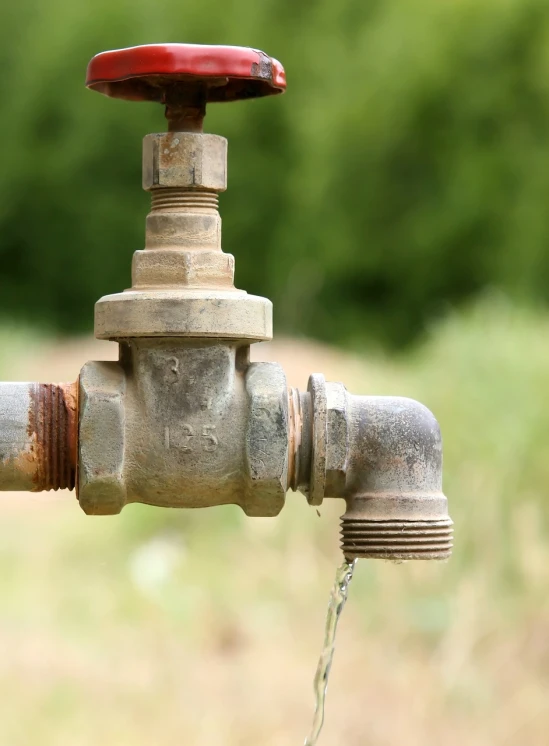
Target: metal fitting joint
(183, 419)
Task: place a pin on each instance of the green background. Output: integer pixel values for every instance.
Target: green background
(404, 171)
(403, 174)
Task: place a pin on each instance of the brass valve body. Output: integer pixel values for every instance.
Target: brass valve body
(183, 419)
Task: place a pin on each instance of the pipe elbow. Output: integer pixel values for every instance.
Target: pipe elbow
(394, 457)
(393, 489)
(383, 455)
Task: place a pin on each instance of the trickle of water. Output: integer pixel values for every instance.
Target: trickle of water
(338, 596)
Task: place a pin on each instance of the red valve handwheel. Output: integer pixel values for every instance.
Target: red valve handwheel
(145, 73)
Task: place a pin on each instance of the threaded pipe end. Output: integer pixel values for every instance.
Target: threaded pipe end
(396, 540)
(299, 439)
(53, 425)
(179, 199)
(294, 440)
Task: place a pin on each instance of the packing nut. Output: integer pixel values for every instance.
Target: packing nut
(187, 160)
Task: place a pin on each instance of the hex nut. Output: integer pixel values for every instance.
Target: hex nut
(266, 440)
(188, 268)
(185, 159)
(337, 438)
(101, 487)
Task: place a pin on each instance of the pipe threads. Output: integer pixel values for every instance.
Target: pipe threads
(294, 417)
(53, 426)
(396, 540)
(299, 439)
(180, 199)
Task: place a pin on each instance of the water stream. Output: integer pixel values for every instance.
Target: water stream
(338, 596)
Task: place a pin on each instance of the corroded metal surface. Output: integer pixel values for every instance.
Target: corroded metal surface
(38, 429)
(267, 436)
(194, 313)
(182, 282)
(183, 419)
(384, 457)
(183, 424)
(53, 426)
(204, 427)
(395, 540)
(317, 484)
(186, 424)
(185, 159)
(101, 487)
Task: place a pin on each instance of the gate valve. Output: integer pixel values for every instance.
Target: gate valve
(184, 419)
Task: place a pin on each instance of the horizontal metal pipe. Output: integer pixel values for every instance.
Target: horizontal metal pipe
(38, 436)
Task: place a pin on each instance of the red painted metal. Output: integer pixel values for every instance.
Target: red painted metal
(143, 73)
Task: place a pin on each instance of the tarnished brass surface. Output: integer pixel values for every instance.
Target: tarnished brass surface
(188, 424)
(183, 283)
(184, 420)
(183, 424)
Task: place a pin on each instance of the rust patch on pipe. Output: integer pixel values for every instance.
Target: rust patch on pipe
(294, 437)
(53, 429)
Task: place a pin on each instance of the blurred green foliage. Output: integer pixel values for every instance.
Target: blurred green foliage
(404, 170)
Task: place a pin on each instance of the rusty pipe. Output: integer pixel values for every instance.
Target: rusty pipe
(382, 455)
(183, 419)
(38, 436)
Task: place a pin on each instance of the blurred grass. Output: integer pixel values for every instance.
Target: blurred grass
(160, 627)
